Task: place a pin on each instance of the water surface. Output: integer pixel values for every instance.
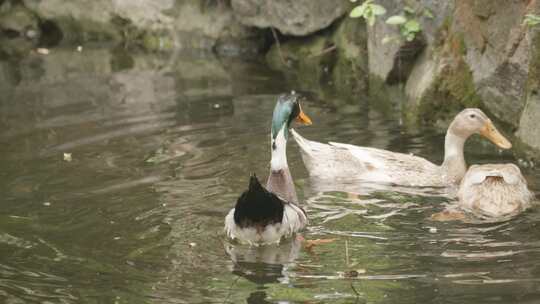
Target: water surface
(162, 146)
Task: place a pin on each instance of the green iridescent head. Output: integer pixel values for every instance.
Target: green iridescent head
(287, 109)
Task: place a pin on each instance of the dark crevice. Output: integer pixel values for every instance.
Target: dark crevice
(404, 61)
(51, 34)
(10, 34)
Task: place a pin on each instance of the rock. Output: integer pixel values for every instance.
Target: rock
(350, 70)
(19, 29)
(440, 84)
(470, 61)
(302, 61)
(290, 17)
(335, 59)
(145, 14)
(391, 57)
(19, 21)
(496, 53)
(382, 55)
(529, 129)
(156, 25)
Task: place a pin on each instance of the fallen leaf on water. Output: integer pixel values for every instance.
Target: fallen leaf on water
(353, 273)
(309, 244)
(447, 215)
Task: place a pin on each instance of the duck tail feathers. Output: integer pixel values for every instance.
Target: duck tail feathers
(304, 144)
(254, 183)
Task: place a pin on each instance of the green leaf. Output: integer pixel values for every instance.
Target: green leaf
(412, 26)
(358, 11)
(386, 39)
(408, 9)
(531, 20)
(410, 36)
(378, 9)
(403, 31)
(396, 20)
(428, 13)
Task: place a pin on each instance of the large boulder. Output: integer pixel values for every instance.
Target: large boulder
(496, 52)
(19, 29)
(478, 56)
(391, 56)
(333, 61)
(529, 128)
(167, 24)
(291, 17)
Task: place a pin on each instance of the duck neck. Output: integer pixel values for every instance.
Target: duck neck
(280, 181)
(279, 151)
(454, 161)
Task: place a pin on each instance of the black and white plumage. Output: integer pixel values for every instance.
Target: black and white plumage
(262, 217)
(266, 215)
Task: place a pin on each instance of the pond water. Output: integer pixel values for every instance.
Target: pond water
(161, 147)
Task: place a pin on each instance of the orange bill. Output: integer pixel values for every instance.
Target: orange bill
(490, 132)
(303, 118)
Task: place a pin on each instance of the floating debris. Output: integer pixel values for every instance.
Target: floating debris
(79, 48)
(67, 157)
(309, 244)
(192, 244)
(353, 273)
(46, 204)
(43, 51)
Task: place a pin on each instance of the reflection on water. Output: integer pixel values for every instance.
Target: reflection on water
(163, 145)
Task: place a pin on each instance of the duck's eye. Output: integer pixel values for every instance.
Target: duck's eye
(472, 116)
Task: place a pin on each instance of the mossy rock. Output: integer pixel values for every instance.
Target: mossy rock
(303, 62)
(528, 126)
(297, 53)
(452, 89)
(349, 70)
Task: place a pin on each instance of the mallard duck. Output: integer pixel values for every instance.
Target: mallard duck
(347, 162)
(494, 190)
(265, 215)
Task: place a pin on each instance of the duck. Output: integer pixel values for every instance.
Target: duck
(344, 162)
(494, 191)
(265, 215)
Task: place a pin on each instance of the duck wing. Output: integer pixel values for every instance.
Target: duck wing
(258, 207)
(345, 161)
